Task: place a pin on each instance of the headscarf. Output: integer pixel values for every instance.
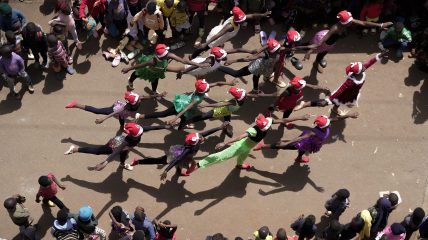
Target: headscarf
(365, 233)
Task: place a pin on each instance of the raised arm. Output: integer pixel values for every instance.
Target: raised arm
(372, 24)
(187, 108)
(258, 15)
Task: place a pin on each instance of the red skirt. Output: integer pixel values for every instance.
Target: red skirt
(346, 94)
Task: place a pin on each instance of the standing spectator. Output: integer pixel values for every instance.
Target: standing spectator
(58, 56)
(394, 232)
(371, 13)
(64, 227)
(153, 20)
(34, 39)
(180, 24)
(139, 235)
(17, 211)
(87, 223)
(253, 6)
(142, 222)
(305, 227)
(11, 19)
(165, 230)
(14, 42)
(96, 9)
(198, 7)
(333, 231)
(413, 221)
(65, 16)
(117, 12)
(120, 222)
(263, 234)
(12, 66)
(383, 207)
(350, 230)
(167, 7)
(48, 190)
(337, 204)
(281, 234)
(396, 37)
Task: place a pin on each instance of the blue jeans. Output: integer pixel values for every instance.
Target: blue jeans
(389, 43)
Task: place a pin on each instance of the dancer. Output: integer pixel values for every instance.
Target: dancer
(153, 67)
(224, 32)
(119, 145)
(119, 110)
(324, 41)
(349, 92)
(243, 143)
(224, 109)
(287, 101)
(263, 63)
(310, 141)
(181, 156)
(216, 59)
(184, 105)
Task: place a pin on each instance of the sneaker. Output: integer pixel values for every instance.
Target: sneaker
(70, 150)
(30, 56)
(134, 53)
(116, 61)
(244, 166)
(124, 57)
(17, 95)
(31, 88)
(51, 204)
(134, 162)
(296, 63)
(70, 70)
(45, 65)
(323, 63)
(229, 131)
(380, 46)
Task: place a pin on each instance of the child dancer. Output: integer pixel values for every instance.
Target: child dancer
(119, 110)
(181, 156)
(118, 145)
(48, 189)
(184, 104)
(153, 67)
(310, 141)
(349, 92)
(243, 143)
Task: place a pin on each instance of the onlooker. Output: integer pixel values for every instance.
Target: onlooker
(120, 222)
(383, 207)
(64, 227)
(96, 10)
(11, 19)
(305, 227)
(19, 214)
(65, 16)
(34, 39)
(350, 230)
(165, 230)
(59, 56)
(394, 232)
(263, 234)
(86, 223)
(337, 204)
(180, 24)
(167, 7)
(281, 234)
(139, 235)
(142, 222)
(116, 19)
(198, 7)
(48, 190)
(396, 37)
(371, 13)
(153, 20)
(12, 66)
(14, 42)
(413, 221)
(333, 231)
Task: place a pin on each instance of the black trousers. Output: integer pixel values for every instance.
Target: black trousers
(103, 111)
(168, 112)
(207, 115)
(37, 52)
(149, 161)
(240, 73)
(154, 83)
(103, 150)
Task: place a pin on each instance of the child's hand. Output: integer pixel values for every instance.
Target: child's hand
(353, 115)
(163, 176)
(219, 146)
(37, 200)
(306, 117)
(98, 121)
(125, 70)
(63, 187)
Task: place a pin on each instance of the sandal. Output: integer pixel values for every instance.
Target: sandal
(70, 150)
(128, 167)
(280, 84)
(134, 53)
(107, 55)
(116, 61)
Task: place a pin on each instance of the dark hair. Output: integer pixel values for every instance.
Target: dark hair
(5, 49)
(263, 232)
(44, 181)
(182, 5)
(9, 35)
(167, 222)
(342, 194)
(31, 27)
(357, 223)
(308, 223)
(217, 236)
(418, 215)
(139, 214)
(335, 226)
(52, 40)
(139, 235)
(58, 29)
(62, 216)
(116, 211)
(151, 7)
(10, 203)
(66, 10)
(281, 234)
(393, 198)
(239, 238)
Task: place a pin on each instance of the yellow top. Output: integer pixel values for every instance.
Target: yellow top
(165, 10)
(365, 233)
(268, 237)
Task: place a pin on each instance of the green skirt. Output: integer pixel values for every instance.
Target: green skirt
(151, 73)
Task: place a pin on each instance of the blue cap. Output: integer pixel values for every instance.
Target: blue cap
(85, 213)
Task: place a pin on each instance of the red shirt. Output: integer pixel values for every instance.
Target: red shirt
(50, 191)
(93, 11)
(371, 11)
(285, 103)
(196, 5)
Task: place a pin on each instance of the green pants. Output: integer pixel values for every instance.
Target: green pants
(239, 149)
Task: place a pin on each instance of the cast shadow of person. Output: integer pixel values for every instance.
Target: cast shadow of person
(420, 98)
(45, 222)
(171, 192)
(232, 186)
(293, 179)
(113, 185)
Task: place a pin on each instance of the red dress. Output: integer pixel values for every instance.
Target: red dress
(196, 5)
(349, 92)
(285, 103)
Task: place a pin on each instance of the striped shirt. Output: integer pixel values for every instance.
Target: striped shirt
(58, 54)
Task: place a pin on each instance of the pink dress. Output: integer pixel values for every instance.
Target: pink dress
(317, 39)
(349, 92)
(387, 234)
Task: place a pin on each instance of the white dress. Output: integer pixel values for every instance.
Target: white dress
(200, 72)
(226, 37)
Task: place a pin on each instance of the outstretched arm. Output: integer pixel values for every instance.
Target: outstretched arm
(241, 50)
(141, 65)
(223, 31)
(291, 119)
(185, 61)
(345, 116)
(372, 24)
(231, 140)
(100, 166)
(258, 15)
(317, 87)
(102, 119)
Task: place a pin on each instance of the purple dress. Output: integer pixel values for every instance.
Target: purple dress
(314, 143)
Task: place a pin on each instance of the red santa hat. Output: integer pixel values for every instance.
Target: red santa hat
(131, 97)
(218, 52)
(298, 83)
(161, 50)
(201, 86)
(273, 45)
(322, 121)
(293, 36)
(237, 93)
(345, 17)
(354, 68)
(133, 129)
(192, 139)
(263, 123)
(238, 15)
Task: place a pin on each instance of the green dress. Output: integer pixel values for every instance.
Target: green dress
(181, 101)
(226, 110)
(151, 73)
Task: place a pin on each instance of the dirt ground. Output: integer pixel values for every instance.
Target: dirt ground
(382, 150)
